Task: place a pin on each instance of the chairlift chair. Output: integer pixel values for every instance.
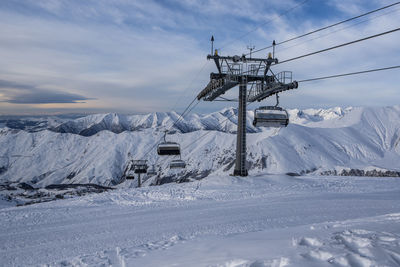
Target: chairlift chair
(130, 176)
(130, 171)
(139, 166)
(140, 170)
(177, 164)
(271, 116)
(168, 148)
(152, 171)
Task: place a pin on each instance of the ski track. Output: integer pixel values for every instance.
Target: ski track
(276, 220)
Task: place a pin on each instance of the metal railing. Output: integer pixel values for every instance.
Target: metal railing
(284, 77)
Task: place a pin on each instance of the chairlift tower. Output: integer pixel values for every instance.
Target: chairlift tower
(136, 167)
(254, 73)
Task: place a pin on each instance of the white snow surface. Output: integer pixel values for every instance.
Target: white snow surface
(267, 220)
(316, 140)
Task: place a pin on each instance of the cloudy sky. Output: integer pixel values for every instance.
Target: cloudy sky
(135, 56)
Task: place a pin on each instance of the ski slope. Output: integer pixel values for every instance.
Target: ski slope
(265, 220)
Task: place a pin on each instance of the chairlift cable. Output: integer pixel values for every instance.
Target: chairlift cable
(265, 23)
(190, 84)
(182, 114)
(187, 113)
(338, 46)
(348, 74)
(176, 121)
(180, 117)
(326, 27)
(338, 30)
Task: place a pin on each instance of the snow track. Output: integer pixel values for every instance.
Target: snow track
(220, 221)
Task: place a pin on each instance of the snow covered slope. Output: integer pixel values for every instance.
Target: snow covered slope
(218, 221)
(316, 140)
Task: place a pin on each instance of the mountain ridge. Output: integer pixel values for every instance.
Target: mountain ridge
(316, 140)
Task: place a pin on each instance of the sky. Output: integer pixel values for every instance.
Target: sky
(134, 56)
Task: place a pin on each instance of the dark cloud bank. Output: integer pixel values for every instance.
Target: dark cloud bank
(17, 93)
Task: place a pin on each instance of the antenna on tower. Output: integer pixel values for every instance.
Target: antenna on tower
(273, 49)
(251, 48)
(212, 44)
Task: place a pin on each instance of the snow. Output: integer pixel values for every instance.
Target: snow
(316, 141)
(266, 220)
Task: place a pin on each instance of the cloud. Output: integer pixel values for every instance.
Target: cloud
(46, 97)
(16, 93)
(141, 56)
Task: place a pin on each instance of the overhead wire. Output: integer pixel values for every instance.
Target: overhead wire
(189, 85)
(348, 74)
(338, 46)
(326, 27)
(263, 24)
(182, 115)
(186, 109)
(338, 30)
(176, 121)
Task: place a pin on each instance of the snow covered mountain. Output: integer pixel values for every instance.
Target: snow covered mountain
(224, 121)
(35, 123)
(96, 148)
(118, 123)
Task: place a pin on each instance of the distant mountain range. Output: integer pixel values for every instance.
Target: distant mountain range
(223, 121)
(96, 148)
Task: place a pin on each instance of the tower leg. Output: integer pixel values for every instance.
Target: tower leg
(240, 164)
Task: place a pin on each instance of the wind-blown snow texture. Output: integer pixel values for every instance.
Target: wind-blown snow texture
(219, 221)
(96, 148)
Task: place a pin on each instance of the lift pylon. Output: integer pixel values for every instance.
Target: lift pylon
(243, 71)
(136, 167)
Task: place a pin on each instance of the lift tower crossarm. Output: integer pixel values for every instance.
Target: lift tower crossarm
(243, 58)
(215, 88)
(230, 77)
(264, 91)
